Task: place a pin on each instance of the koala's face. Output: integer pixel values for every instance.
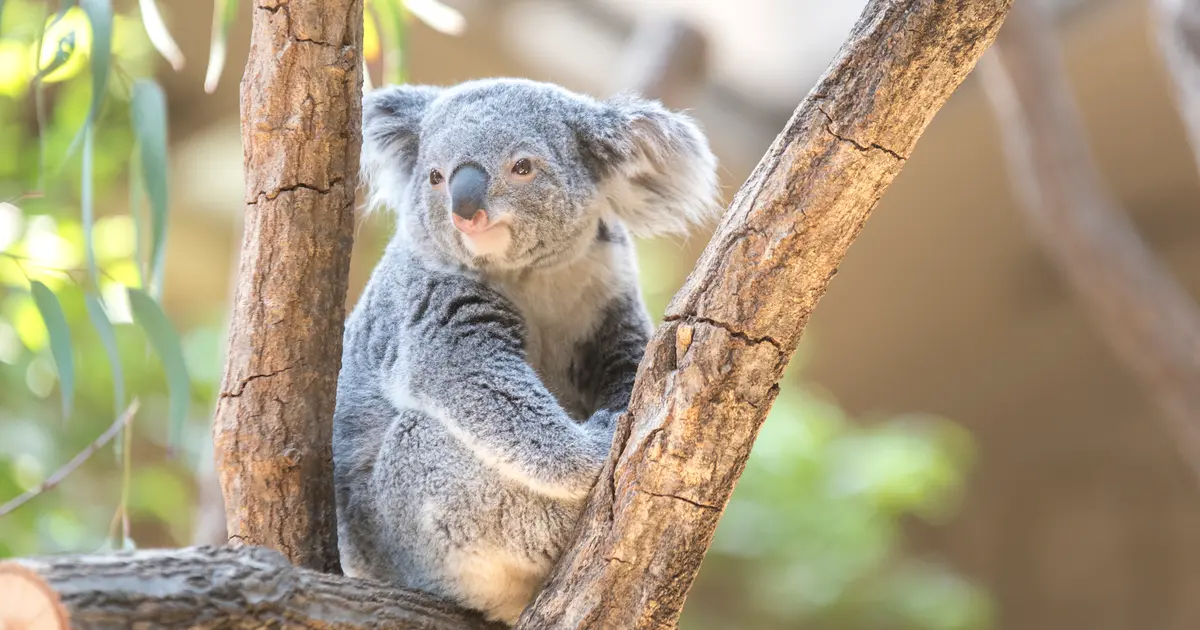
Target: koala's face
(513, 174)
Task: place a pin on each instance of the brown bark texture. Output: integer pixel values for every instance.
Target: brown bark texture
(208, 587)
(1147, 317)
(301, 120)
(711, 371)
(1179, 39)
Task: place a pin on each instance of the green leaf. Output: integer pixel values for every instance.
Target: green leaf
(392, 27)
(135, 211)
(150, 126)
(224, 15)
(86, 203)
(165, 342)
(100, 16)
(62, 51)
(108, 338)
(160, 37)
(60, 340)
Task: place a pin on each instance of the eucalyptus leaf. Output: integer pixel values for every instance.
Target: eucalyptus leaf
(62, 51)
(100, 16)
(160, 37)
(108, 338)
(87, 203)
(165, 341)
(392, 28)
(150, 127)
(60, 340)
(224, 15)
(135, 212)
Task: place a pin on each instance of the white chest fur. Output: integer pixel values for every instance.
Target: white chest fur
(562, 307)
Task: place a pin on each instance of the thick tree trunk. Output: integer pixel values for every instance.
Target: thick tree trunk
(1179, 40)
(206, 587)
(301, 120)
(1147, 318)
(711, 371)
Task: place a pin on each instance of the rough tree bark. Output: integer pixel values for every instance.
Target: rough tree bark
(301, 112)
(711, 371)
(1179, 40)
(207, 587)
(1147, 318)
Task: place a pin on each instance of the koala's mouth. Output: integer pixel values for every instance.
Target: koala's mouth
(482, 237)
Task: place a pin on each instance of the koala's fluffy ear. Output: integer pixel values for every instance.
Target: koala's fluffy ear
(391, 138)
(653, 165)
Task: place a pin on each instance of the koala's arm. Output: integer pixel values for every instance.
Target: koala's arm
(467, 369)
(606, 364)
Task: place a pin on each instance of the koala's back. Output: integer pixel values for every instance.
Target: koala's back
(417, 507)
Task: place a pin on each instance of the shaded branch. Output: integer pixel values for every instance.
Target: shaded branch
(1143, 314)
(711, 371)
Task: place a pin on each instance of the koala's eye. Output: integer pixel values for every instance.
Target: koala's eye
(523, 167)
(435, 177)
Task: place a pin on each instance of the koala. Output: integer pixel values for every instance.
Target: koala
(496, 342)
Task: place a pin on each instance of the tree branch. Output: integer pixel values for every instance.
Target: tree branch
(711, 371)
(57, 476)
(1150, 322)
(301, 120)
(206, 587)
(1178, 25)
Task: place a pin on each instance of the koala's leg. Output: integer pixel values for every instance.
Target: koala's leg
(465, 366)
(437, 519)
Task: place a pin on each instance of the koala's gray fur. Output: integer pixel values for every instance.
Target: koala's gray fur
(480, 385)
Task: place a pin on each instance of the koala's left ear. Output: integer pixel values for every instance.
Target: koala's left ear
(653, 166)
(391, 139)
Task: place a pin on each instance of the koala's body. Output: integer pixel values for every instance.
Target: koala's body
(497, 340)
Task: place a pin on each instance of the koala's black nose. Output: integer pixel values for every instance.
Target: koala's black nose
(468, 190)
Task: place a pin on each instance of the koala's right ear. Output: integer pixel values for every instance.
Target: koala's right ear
(391, 138)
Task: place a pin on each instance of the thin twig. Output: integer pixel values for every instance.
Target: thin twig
(18, 258)
(77, 461)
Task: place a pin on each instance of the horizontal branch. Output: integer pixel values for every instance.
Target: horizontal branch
(207, 587)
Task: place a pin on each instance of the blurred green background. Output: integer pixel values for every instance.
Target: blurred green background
(820, 531)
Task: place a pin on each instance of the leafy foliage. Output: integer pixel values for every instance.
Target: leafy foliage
(48, 305)
(60, 340)
(812, 533)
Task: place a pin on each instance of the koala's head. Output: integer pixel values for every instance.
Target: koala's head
(514, 174)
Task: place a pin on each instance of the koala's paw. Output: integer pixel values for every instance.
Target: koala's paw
(605, 420)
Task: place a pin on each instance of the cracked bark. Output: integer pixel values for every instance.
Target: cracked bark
(301, 101)
(712, 370)
(208, 588)
(1148, 319)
